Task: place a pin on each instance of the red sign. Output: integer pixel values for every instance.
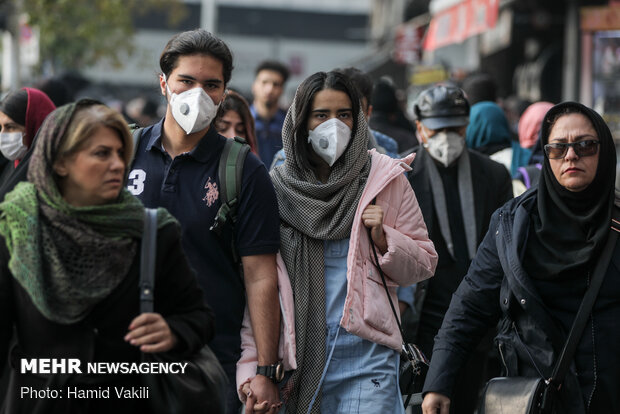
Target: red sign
(463, 20)
(408, 44)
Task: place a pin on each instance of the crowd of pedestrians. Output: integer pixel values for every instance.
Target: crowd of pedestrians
(273, 253)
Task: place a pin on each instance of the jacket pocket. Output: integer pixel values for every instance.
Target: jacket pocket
(377, 312)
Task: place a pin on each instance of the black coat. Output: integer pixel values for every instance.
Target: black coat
(529, 338)
(491, 182)
(492, 188)
(99, 337)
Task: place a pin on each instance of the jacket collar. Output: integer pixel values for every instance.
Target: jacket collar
(383, 170)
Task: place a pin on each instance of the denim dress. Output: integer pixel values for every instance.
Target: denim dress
(359, 376)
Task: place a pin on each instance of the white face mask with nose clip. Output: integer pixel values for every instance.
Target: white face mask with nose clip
(194, 110)
(330, 139)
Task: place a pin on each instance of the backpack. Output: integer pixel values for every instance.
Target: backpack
(530, 174)
(230, 171)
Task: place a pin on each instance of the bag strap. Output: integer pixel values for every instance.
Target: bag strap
(230, 171)
(374, 251)
(136, 134)
(230, 168)
(526, 177)
(405, 349)
(585, 309)
(147, 260)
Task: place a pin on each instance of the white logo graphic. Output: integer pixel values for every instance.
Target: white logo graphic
(136, 182)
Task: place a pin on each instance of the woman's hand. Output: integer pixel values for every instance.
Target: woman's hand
(151, 333)
(252, 406)
(435, 403)
(372, 217)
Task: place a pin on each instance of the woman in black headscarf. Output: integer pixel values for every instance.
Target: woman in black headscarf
(533, 269)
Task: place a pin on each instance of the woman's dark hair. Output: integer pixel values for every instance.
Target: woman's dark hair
(303, 101)
(235, 102)
(14, 105)
(196, 42)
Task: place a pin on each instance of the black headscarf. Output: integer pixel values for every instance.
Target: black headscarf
(568, 229)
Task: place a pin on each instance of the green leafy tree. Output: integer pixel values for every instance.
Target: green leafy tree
(79, 33)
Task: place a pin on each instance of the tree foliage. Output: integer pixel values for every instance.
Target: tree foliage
(79, 33)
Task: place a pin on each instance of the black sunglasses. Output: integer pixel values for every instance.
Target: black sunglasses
(582, 148)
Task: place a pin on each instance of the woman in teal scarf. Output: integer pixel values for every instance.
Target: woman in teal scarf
(69, 268)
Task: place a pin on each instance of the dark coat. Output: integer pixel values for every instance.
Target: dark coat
(492, 188)
(496, 288)
(99, 337)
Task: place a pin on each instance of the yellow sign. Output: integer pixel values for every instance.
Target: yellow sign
(428, 75)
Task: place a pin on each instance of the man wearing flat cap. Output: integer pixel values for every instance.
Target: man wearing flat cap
(458, 189)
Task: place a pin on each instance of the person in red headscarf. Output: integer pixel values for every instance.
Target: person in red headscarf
(21, 114)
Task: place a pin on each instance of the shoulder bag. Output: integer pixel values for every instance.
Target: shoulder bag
(202, 388)
(413, 363)
(524, 395)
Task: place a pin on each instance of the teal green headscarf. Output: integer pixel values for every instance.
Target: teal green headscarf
(67, 258)
(487, 126)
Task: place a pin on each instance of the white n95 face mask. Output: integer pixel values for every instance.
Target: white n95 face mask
(194, 110)
(330, 139)
(445, 147)
(12, 145)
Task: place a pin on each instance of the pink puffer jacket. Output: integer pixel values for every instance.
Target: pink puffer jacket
(410, 258)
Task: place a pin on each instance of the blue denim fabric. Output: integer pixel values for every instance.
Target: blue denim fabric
(335, 258)
(359, 376)
(362, 376)
(388, 143)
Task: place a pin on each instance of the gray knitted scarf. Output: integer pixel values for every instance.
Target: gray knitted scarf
(311, 212)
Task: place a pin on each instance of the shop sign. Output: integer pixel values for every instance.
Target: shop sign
(463, 20)
(426, 75)
(600, 18)
(408, 44)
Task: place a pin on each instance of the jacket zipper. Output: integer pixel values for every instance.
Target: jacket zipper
(500, 346)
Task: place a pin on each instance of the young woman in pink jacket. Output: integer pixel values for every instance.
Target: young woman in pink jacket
(330, 190)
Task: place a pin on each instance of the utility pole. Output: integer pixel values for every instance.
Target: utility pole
(11, 77)
(571, 53)
(208, 15)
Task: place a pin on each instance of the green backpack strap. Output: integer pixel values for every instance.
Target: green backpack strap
(230, 171)
(136, 133)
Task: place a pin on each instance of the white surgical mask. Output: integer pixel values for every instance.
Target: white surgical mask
(444, 146)
(12, 145)
(194, 110)
(330, 139)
